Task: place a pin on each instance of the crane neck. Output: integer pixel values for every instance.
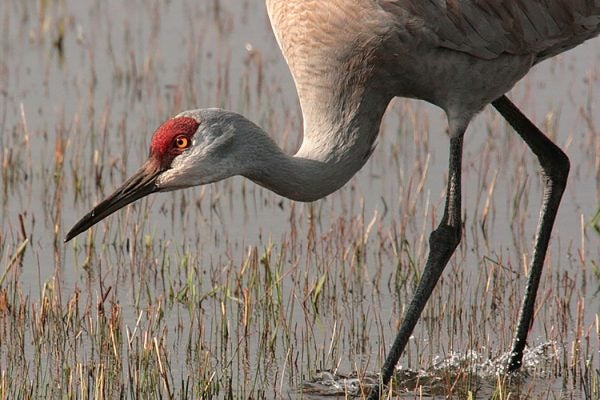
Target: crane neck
(332, 151)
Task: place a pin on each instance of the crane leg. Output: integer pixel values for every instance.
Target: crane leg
(444, 240)
(555, 170)
(442, 243)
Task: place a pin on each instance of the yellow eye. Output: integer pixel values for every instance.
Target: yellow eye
(181, 142)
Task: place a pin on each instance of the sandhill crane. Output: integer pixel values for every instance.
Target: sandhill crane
(349, 58)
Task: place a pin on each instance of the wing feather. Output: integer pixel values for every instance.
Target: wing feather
(489, 28)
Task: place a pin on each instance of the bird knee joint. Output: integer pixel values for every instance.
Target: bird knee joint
(556, 166)
(446, 236)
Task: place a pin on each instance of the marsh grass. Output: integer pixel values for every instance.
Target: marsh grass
(228, 291)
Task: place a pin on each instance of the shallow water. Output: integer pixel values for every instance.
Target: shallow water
(84, 84)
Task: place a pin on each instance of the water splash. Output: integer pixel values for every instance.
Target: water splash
(471, 369)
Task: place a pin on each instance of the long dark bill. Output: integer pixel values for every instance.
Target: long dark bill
(141, 184)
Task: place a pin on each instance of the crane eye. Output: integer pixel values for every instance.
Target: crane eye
(182, 142)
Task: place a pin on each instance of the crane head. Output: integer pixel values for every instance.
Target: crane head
(194, 148)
